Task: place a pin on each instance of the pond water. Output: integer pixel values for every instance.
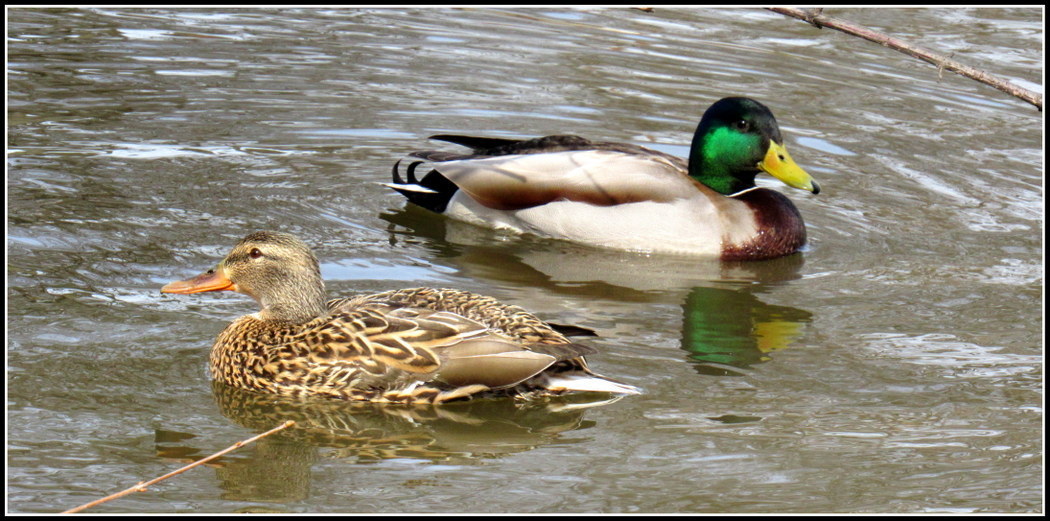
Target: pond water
(895, 365)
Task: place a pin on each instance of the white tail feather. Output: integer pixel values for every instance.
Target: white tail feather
(410, 188)
(586, 383)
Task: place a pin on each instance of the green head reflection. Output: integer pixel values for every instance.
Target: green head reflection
(727, 328)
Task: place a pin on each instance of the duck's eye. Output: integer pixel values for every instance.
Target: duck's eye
(741, 125)
(255, 253)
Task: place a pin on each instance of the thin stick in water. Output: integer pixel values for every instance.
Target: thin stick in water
(141, 486)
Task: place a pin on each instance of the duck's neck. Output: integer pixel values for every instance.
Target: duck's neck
(294, 303)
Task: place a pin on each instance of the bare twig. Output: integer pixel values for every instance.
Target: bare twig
(141, 486)
(817, 19)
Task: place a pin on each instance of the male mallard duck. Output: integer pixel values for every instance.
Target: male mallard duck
(625, 196)
(419, 345)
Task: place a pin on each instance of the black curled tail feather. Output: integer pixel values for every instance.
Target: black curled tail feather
(571, 330)
(433, 192)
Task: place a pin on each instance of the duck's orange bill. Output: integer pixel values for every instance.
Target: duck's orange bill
(211, 280)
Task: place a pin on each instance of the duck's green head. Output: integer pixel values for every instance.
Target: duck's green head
(738, 138)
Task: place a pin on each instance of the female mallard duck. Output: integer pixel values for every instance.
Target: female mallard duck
(418, 345)
(626, 196)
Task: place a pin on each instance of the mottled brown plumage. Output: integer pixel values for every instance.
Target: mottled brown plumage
(420, 345)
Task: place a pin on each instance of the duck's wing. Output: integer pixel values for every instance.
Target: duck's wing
(396, 347)
(499, 364)
(507, 174)
(528, 332)
(598, 177)
(508, 319)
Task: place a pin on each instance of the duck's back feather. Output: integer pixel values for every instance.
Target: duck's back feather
(508, 319)
(486, 147)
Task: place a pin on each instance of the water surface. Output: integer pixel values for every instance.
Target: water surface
(893, 366)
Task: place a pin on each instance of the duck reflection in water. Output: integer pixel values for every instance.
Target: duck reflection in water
(279, 468)
(568, 268)
(725, 328)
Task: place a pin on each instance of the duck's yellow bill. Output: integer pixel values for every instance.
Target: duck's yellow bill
(212, 280)
(778, 163)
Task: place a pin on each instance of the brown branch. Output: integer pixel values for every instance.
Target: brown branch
(817, 19)
(141, 487)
